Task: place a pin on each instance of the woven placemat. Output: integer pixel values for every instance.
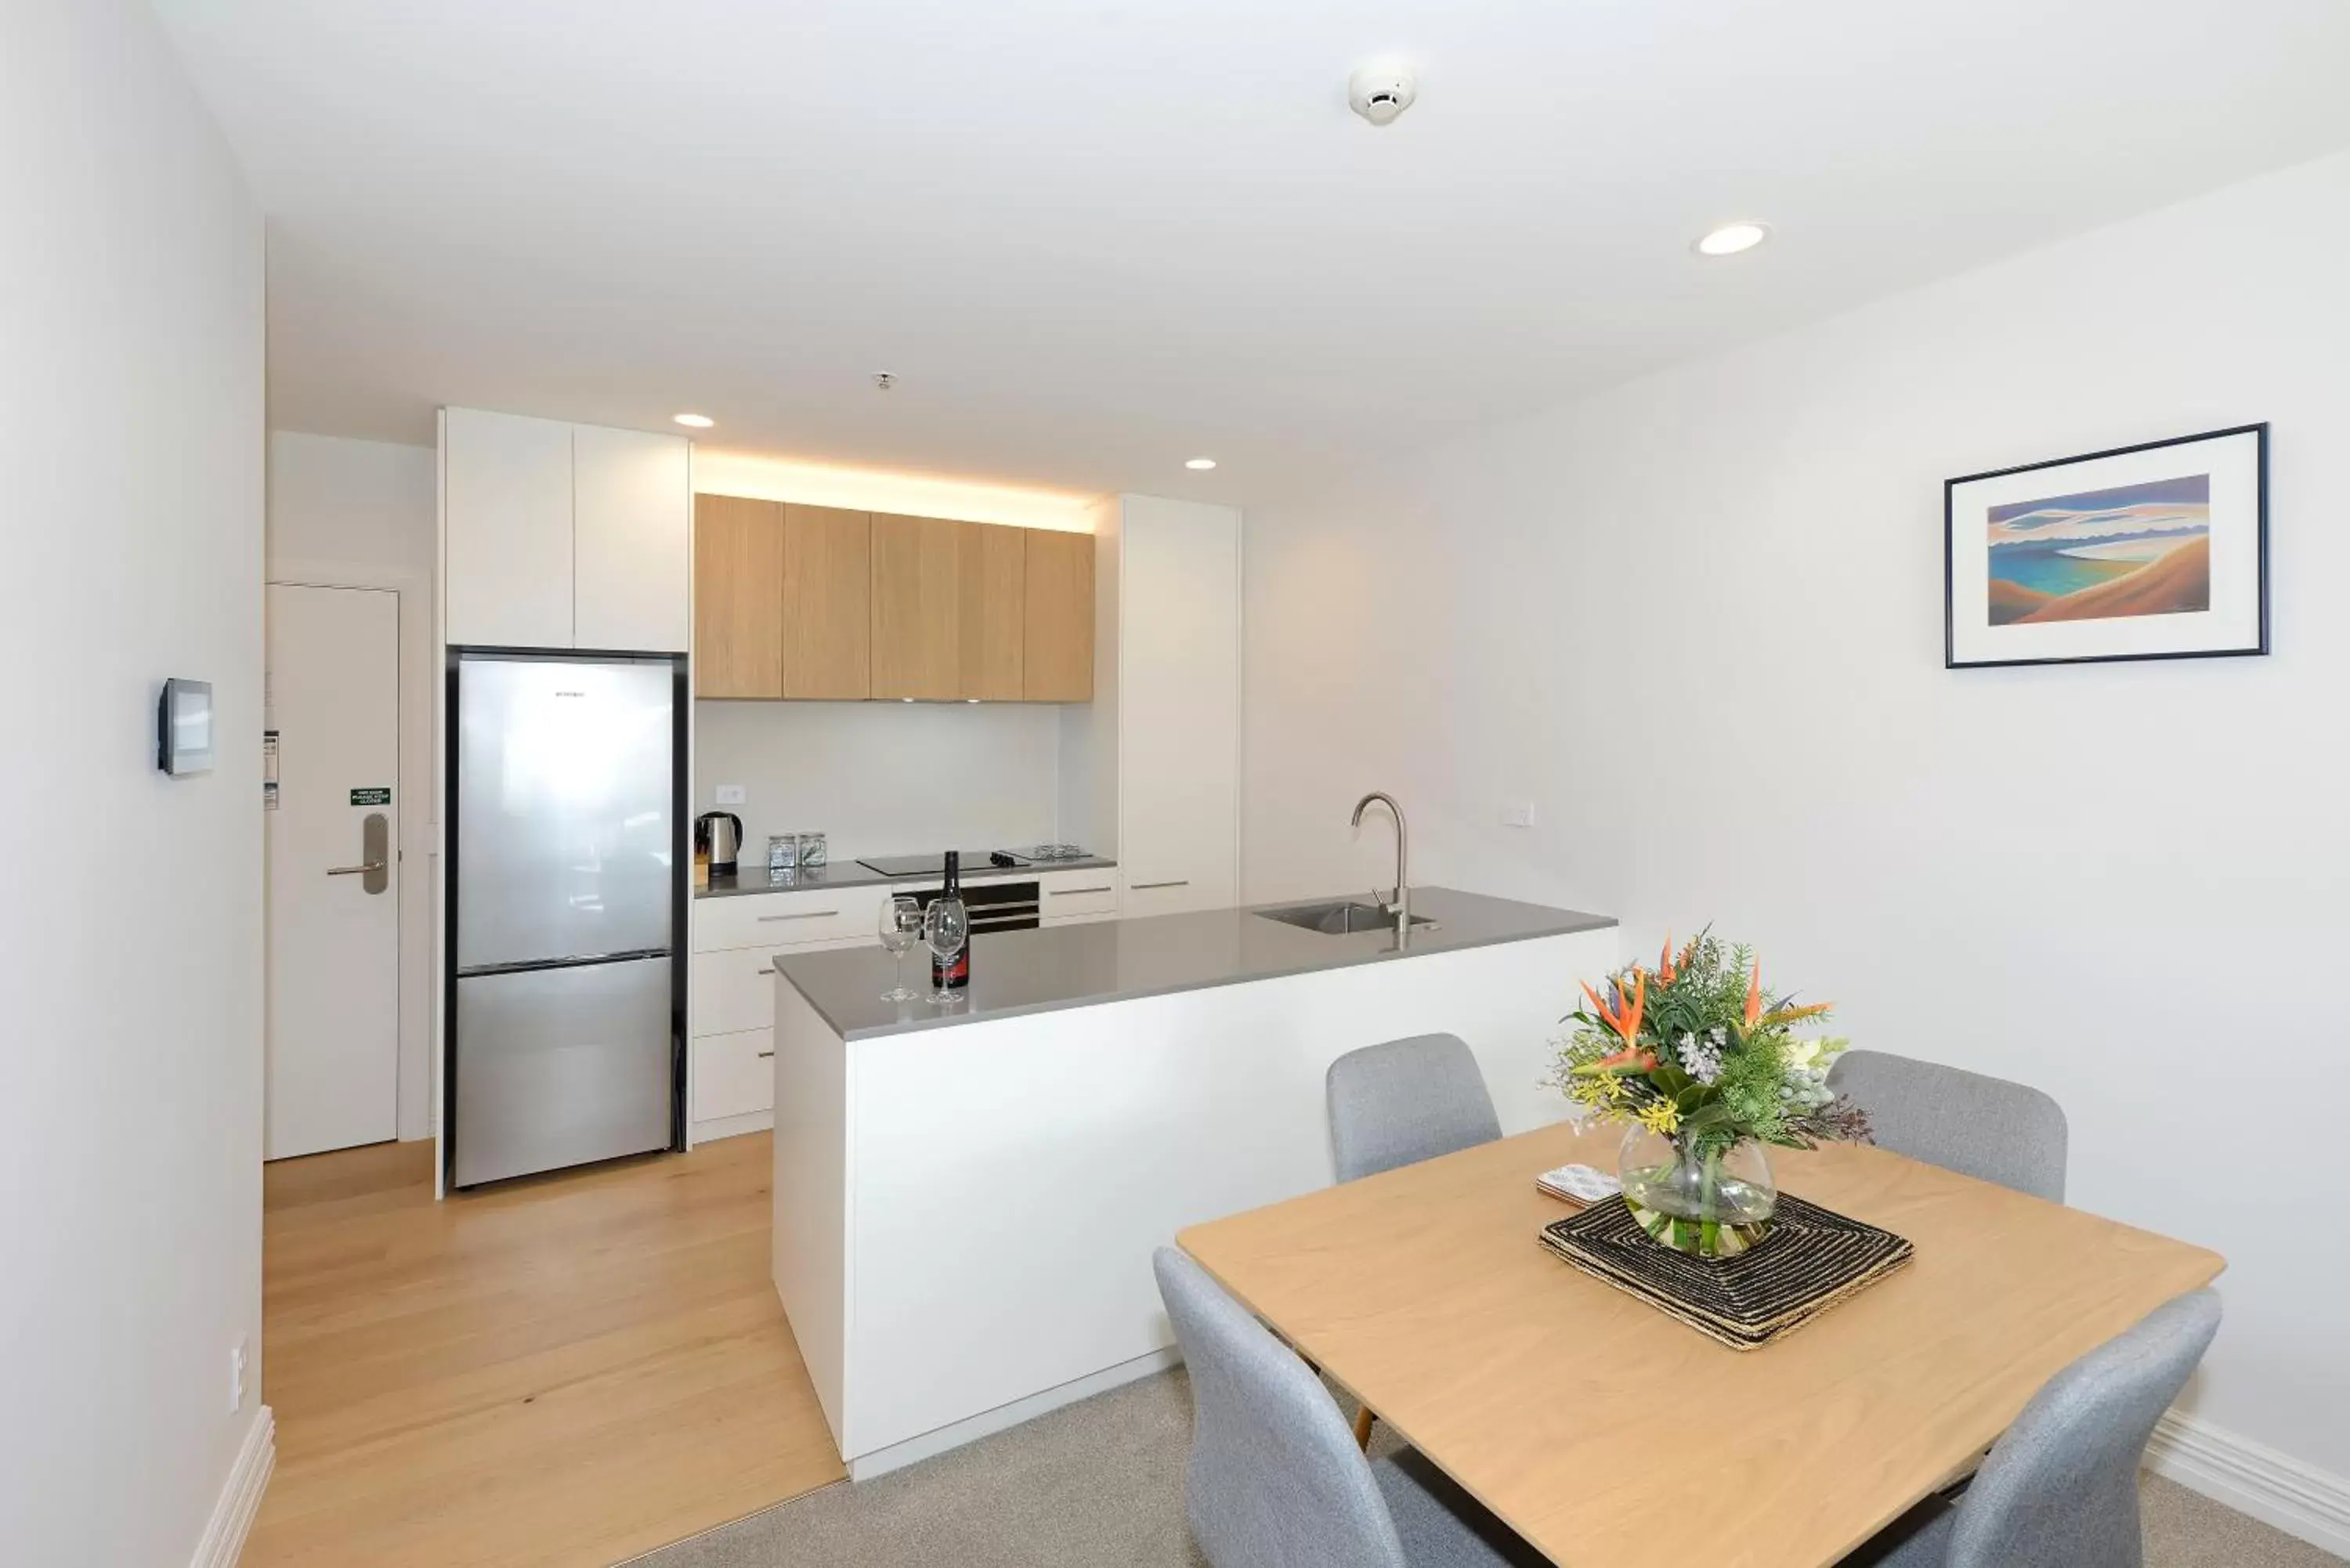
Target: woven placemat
(1812, 1260)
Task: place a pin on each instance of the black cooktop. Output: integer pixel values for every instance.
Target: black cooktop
(935, 864)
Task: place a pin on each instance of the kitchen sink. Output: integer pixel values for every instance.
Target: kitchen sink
(1339, 919)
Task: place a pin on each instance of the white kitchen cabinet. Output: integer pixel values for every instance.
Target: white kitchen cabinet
(1162, 743)
(1071, 898)
(507, 500)
(632, 544)
(733, 1079)
(734, 991)
(560, 536)
(737, 941)
(824, 915)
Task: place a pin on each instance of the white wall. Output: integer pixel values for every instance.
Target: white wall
(883, 778)
(130, 492)
(1697, 622)
(766, 477)
(359, 513)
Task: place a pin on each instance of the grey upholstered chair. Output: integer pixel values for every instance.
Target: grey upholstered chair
(1400, 1103)
(1978, 1125)
(2060, 1488)
(1405, 1101)
(1275, 1479)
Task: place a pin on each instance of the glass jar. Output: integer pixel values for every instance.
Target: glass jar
(783, 851)
(1709, 1202)
(814, 854)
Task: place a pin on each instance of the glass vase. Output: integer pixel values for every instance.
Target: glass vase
(1712, 1204)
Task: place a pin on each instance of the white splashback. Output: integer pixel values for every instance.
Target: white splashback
(883, 778)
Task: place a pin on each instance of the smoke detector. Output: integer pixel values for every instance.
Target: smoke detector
(1381, 89)
(883, 380)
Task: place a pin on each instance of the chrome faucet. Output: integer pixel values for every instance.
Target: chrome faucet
(1400, 905)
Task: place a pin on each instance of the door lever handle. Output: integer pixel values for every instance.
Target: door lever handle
(375, 849)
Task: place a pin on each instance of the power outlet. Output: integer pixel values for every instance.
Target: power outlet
(731, 795)
(1518, 813)
(239, 1357)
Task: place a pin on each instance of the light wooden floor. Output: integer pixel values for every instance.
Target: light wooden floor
(568, 1370)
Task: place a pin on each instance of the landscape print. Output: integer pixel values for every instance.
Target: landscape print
(2140, 549)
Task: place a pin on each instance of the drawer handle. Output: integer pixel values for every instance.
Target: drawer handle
(766, 1053)
(1064, 892)
(1146, 887)
(769, 970)
(804, 914)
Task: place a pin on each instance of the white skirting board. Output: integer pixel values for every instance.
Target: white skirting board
(240, 1499)
(2251, 1478)
(717, 1127)
(898, 1456)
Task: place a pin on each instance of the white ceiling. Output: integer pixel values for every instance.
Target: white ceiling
(1094, 239)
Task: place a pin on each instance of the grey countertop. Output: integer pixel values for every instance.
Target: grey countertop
(1017, 973)
(852, 873)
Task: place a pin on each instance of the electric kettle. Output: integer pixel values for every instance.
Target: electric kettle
(719, 834)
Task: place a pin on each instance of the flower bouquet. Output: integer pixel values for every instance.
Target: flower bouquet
(1702, 1064)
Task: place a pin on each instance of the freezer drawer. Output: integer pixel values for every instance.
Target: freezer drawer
(560, 1066)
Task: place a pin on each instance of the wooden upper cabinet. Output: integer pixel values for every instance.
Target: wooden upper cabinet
(795, 601)
(829, 581)
(918, 607)
(1058, 612)
(994, 568)
(738, 597)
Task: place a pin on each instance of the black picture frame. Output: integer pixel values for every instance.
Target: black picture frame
(2259, 435)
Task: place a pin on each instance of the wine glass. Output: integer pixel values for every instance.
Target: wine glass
(945, 926)
(901, 923)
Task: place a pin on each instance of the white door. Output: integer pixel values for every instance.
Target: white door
(334, 869)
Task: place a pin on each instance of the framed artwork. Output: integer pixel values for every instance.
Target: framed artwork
(2158, 551)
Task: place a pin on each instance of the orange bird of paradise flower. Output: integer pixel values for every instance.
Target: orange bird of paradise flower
(1755, 994)
(1624, 1018)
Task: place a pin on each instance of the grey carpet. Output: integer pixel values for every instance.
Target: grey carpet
(1102, 1483)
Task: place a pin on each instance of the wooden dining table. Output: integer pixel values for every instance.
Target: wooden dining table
(1610, 1436)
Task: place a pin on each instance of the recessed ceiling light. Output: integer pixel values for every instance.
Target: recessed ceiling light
(695, 422)
(1731, 238)
(1201, 464)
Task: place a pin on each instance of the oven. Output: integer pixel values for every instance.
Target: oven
(994, 906)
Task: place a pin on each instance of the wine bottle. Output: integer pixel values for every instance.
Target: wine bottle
(953, 974)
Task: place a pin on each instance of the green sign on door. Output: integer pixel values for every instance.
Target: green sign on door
(380, 795)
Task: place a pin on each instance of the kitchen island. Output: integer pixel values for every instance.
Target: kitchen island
(966, 1197)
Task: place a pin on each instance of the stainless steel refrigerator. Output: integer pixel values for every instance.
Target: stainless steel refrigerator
(567, 1004)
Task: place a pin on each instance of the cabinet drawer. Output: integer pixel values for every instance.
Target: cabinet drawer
(733, 1074)
(734, 990)
(1083, 895)
(1173, 893)
(786, 919)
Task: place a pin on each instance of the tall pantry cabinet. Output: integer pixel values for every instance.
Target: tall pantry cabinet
(1151, 771)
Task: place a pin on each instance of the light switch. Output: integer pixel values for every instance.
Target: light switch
(730, 795)
(1518, 813)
